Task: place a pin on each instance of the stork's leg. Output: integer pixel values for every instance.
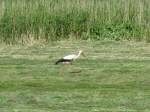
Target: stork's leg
(61, 71)
(65, 67)
(71, 62)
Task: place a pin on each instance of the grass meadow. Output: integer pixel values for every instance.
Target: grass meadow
(47, 20)
(113, 77)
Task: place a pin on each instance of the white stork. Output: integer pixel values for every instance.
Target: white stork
(69, 58)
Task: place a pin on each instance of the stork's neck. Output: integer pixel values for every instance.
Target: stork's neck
(78, 54)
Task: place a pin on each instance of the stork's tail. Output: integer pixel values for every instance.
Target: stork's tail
(59, 61)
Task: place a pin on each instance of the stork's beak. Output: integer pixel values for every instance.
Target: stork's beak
(83, 54)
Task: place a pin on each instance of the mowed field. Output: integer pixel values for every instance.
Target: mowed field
(113, 77)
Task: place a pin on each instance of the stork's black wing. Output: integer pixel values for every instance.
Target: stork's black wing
(62, 60)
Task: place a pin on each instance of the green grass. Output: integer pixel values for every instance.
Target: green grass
(22, 20)
(113, 77)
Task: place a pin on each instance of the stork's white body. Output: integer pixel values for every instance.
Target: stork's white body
(71, 57)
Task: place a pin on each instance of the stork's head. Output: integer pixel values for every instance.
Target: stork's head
(81, 53)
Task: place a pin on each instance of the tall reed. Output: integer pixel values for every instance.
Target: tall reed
(84, 19)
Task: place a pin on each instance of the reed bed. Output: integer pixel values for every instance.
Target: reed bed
(21, 20)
